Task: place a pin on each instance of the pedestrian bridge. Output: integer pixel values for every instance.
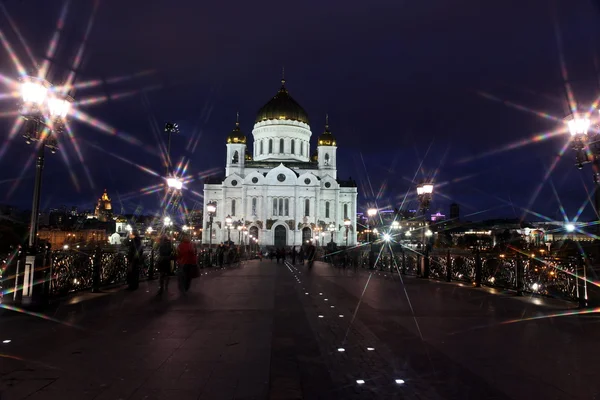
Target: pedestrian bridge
(279, 331)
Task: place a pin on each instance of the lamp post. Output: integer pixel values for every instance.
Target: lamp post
(228, 221)
(331, 229)
(45, 113)
(371, 213)
(211, 209)
(424, 194)
(586, 143)
(167, 222)
(347, 223)
(170, 128)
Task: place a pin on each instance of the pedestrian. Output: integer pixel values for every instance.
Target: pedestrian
(311, 254)
(186, 258)
(294, 253)
(165, 256)
(135, 253)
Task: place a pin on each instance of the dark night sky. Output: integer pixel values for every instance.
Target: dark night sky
(399, 79)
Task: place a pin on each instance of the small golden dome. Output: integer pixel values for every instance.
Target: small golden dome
(236, 135)
(248, 156)
(326, 138)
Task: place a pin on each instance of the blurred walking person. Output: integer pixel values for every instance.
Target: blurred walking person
(186, 258)
(135, 254)
(166, 254)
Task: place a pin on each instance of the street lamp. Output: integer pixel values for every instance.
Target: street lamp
(371, 212)
(45, 112)
(174, 183)
(170, 128)
(347, 223)
(331, 229)
(424, 194)
(586, 144)
(211, 209)
(228, 221)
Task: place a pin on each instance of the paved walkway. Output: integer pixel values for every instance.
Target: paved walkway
(273, 331)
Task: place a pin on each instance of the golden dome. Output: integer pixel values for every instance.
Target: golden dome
(282, 107)
(326, 138)
(248, 156)
(236, 135)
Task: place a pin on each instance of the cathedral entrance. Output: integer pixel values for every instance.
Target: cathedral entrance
(254, 232)
(280, 236)
(306, 235)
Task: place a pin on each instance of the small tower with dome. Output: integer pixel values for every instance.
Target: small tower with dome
(327, 148)
(236, 150)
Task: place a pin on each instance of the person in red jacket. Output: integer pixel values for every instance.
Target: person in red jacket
(186, 258)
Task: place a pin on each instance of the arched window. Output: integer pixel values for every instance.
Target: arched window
(301, 148)
(254, 206)
(262, 148)
(270, 146)
(236, 158)
(281, 145)
(293, 146)
(345, 211)
(326, 209)
(326, 158)
(287, 207)
(306, 207)
(280, 207)
(232, 207)
(275, 207)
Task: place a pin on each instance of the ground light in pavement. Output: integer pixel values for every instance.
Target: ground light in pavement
(320, 316)
(399, 381)
(370, 348)
(341, 315)
(360, 381)
(341, 349)
(6, 341)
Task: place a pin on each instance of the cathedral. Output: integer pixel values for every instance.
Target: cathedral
(280, 193)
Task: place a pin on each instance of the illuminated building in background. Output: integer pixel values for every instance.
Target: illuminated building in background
(283, 194)
(438, 217)
(103, 211)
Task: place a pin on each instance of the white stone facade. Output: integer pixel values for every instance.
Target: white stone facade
(281, 196)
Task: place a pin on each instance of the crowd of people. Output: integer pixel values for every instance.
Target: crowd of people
(184, 254)
(187, 257)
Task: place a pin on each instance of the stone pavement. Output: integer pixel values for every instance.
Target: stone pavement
(274, 331)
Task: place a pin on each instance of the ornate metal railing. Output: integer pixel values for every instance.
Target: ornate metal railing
(73, 270)
(549, 276)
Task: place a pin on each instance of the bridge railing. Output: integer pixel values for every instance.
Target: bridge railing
(78, 269)
(549, 276)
